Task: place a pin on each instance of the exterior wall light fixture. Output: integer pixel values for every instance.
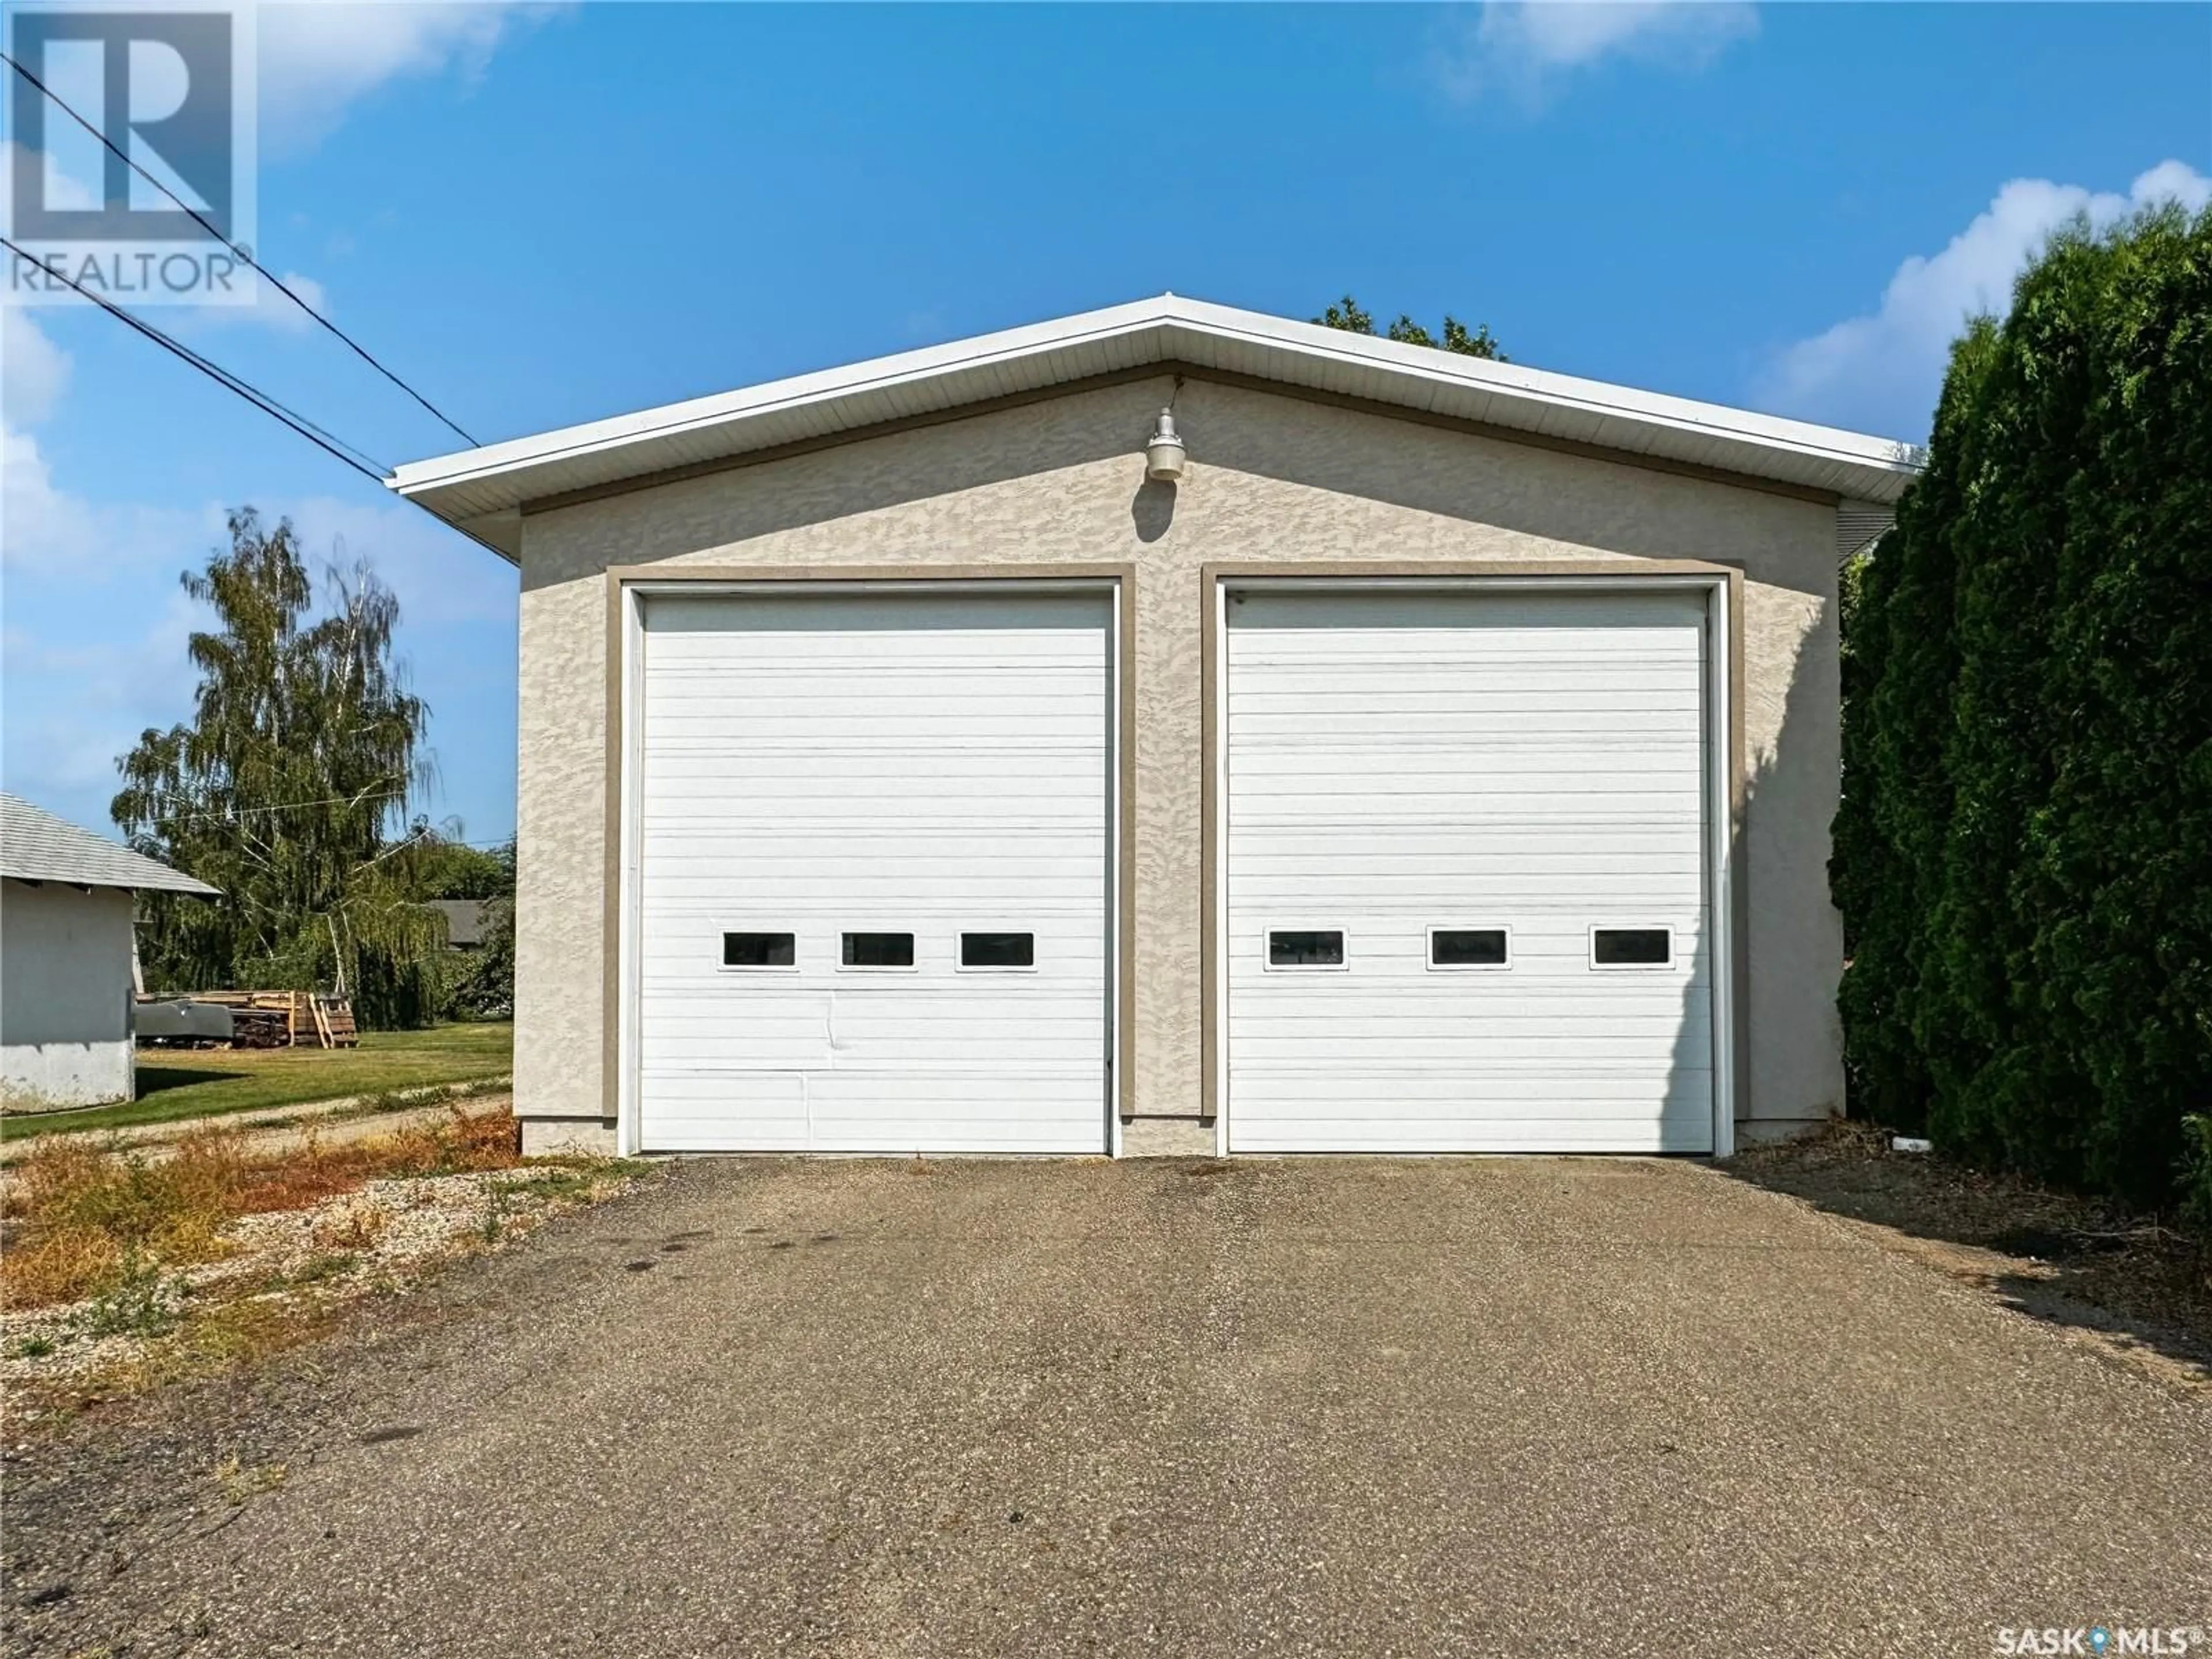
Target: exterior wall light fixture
(1164, 455)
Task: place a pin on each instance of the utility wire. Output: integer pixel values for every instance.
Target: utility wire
(201, 220)
(238, 813)
(358, 460)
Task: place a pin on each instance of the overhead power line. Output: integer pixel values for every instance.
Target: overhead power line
(201, 220)
(360, 460)
(236, 813)
(357, 460)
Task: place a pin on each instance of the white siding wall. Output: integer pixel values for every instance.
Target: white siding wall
(65, 995)
(1529, 762)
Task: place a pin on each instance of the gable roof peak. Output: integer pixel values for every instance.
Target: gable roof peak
(482, 491)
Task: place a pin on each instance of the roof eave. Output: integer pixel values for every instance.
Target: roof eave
(484, 490)
(175, 884)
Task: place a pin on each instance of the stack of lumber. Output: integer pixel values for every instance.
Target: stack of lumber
(286, 1019)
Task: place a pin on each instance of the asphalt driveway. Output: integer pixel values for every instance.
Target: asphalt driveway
(1339, 1406)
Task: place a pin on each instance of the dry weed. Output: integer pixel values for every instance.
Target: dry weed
(356, 1227)
(81, 1213)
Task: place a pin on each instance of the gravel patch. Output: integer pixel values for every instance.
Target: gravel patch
(374, 1240)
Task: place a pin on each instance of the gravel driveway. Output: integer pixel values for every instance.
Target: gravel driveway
(1274, 1407)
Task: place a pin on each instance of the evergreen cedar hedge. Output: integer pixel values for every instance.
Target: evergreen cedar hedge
(2023, 857)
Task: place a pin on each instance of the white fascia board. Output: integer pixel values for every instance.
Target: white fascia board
(1514, 383)
(496, 478)
(799, 391)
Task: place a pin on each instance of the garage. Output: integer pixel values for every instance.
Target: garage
(874, 868)
(1468, 873)
(1531, 712)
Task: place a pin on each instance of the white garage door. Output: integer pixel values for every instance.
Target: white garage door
(1466, 872)
(873, 883)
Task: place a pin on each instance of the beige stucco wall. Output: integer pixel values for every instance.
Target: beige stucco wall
(1270, 478)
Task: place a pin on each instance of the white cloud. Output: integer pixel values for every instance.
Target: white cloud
(316, 59)
(1881, 371)
(286, 315)
(71, 709)
(1522, 46)
(50, 531)
(34, 371)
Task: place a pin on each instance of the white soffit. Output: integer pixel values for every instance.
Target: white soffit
(484, 490)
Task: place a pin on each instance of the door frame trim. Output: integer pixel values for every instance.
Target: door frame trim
(628, 586)
(1722, 585)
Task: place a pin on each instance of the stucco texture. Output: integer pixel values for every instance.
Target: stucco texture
(1271, 479)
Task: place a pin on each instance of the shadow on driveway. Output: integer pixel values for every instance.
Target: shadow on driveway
(2067, 1260)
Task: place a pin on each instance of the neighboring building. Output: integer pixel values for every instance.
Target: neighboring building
(1442, 759)
(66, 900)
(464, 924)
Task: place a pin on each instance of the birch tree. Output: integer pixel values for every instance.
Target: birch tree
(288, 790)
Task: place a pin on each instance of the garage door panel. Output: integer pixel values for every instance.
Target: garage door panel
(774, 717)
(847, 1112)
(1621, 728)
(1472, 688)
(1303, 627)
(1592, 784)
(817, 949)
(1472, 711)
(1473, 1023)
(1343, 1057)
(1293, 767)
(1377, 995)
(851, 1040)
(1534, 762)
(1428, 1092)
(759, 1111)
(1532, 1135)
(1463, 855)
(1374, 828)
(1377, 985)
(1644, 1125)
(1606, 891)
(1036, 880)
(930, 764)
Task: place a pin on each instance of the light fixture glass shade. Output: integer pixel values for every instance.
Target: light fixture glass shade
(1164, 455)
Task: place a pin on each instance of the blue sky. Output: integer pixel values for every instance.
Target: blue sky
(548, 214)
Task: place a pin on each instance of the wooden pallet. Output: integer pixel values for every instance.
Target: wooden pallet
(281, 1019)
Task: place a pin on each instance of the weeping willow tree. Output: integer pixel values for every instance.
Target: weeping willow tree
(288, 791)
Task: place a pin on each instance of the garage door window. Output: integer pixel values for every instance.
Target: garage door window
(1006, 952)
(1632, 947)
(1305, 947)
(759, 951)
(878, 951)
(1470, 947)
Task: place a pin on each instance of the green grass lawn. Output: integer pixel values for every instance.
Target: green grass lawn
(180, 1082)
